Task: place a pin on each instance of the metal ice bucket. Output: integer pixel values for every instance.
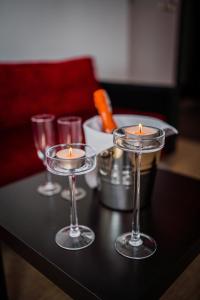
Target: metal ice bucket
(116, 178)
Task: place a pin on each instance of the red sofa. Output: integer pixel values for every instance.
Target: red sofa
(26, 89)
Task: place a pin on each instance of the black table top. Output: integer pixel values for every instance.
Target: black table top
(29, 222)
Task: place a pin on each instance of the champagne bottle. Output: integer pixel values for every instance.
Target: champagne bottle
(103, 106)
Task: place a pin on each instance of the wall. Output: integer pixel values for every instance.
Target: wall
(125, 37)
(54, 29)
(154, 26)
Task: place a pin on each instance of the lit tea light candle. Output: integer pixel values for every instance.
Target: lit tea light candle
(71, 158)
(142, 131)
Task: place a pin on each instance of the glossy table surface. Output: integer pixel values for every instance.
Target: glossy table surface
(29, 222)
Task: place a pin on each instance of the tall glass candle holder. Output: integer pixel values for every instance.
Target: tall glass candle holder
(71, 160)
(139, 140)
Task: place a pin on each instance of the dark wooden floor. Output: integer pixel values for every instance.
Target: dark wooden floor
(25, 283)
(187, 286)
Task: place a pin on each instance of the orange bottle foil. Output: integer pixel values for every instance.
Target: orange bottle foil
(104, 109)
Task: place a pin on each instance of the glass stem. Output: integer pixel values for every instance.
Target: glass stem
(74, 228)
(48, 177)
(135, 235)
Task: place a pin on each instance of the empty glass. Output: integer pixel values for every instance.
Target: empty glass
(70, 131)
(44, 137)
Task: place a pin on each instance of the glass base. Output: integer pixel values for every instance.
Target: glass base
(143, 248)
(80, 193)
(81, 240)
(49, 189)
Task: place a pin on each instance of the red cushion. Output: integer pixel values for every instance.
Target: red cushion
(19, 157)
(60, 88)
(64, 87)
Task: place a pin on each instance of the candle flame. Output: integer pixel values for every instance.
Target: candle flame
(140, 128)
(70, 151)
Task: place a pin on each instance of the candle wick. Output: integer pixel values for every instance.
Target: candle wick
(70, 151)
(140, 128)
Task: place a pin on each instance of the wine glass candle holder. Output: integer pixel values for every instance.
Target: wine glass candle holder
(137, 139)
(72, 160)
